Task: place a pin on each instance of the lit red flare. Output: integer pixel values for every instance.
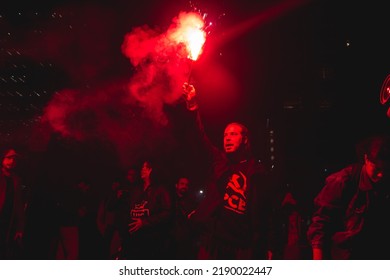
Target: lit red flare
(189, 31)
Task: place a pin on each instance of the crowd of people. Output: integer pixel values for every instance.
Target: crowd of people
(240, 215)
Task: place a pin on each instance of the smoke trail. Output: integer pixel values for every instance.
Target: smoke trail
(130, 114)
(161, 62)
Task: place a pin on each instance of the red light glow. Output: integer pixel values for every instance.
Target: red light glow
(190, 32)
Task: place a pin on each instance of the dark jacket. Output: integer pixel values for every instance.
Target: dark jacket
(350, 217)
(14, 219)
(154, 207)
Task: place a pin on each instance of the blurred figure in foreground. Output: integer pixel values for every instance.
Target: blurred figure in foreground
(351, 217)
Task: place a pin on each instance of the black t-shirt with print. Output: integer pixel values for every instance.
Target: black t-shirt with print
(241, 215)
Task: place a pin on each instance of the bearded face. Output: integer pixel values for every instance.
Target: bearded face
(233, 138)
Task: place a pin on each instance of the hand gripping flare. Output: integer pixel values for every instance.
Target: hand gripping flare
(189, 95)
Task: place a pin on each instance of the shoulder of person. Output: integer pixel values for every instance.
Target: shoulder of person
(344, 175)
(339, 185)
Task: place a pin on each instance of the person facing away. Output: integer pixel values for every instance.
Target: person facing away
(235, 213)
(184, 236)
(293, 223)
(149, 218)
(350, 218)
(11, 206)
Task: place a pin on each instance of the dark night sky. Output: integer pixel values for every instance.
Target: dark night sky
(326, 57)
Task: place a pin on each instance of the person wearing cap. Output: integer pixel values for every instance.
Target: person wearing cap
(351, 212)
(11, 206)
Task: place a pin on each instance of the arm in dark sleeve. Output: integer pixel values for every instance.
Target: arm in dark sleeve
(163, 214)
(327, 209)
(210, 148)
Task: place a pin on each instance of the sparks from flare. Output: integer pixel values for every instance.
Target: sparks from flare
(190, 32)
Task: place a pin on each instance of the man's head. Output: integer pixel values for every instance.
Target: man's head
(131, 175)
(182, 186)
(146, 170)
(235, 138)
(9, 160)
(377, 158)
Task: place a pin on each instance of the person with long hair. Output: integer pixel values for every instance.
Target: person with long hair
(236, 212)
(149, 217)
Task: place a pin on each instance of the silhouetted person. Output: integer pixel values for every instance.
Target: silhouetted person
(11, 207)
(90, 241)
(293, 224)
(184, 235)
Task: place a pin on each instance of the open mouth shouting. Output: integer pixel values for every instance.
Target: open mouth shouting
(229, 147)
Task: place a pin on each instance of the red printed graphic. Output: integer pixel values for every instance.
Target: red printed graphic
(235, 194)
(139, 210)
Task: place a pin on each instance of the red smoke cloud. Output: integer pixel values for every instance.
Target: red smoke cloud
(162, 63)
(107, 114)
(130, 114)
